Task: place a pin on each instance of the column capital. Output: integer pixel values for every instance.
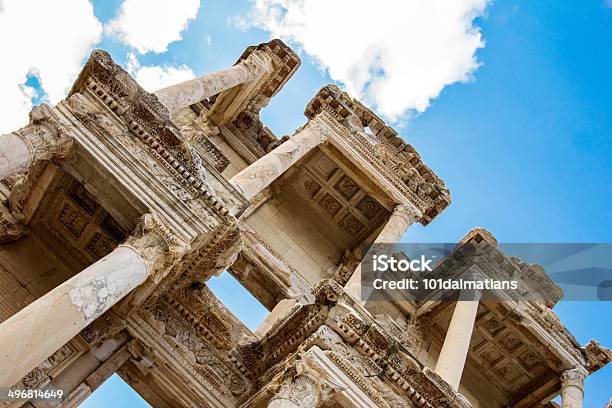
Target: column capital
(45, 136)
(255, 63)
(321, 130)
(407, 212)
(156, 244)
(574, 377)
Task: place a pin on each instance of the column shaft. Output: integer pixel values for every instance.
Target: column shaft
(195, 90)
(572, 387)
(39, 329)
(260, 174)
(571, 397)
(400, 220)
(15, 155)
(457, 341)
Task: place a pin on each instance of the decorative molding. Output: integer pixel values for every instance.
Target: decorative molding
(102, 329)
(143, 116)
(597, 356)
(255, 357)
(398, 161)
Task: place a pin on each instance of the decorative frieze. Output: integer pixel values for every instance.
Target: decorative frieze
(255, 357)
(141, 123)
(197, 347)
(103, 328)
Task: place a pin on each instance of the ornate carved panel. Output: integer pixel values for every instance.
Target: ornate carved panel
(75, 226)
(337, 198)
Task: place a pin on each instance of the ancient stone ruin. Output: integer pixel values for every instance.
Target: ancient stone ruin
(119, 205)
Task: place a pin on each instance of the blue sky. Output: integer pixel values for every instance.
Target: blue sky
(524, 145)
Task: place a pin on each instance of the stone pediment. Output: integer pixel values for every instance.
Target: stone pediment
(286, 63)
(138, 108)
(380, 146)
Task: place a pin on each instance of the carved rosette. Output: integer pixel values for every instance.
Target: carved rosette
(46, 137)
(35, 379)
(103, 328)
(157, 245)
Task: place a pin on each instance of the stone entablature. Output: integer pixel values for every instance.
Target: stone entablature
(149, 121)
(286, 63)
(333, 323)
(383, 149)
(477, 253)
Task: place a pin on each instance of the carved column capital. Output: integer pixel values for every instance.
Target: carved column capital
(299, 391)
(321, 130)
(572, 387)
(406, 212)
(574, 377)
(305, 383)
(255, 63)
(156, 244)
(46, 137)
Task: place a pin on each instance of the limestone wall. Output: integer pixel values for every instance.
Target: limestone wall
(288, 226)
(27, 271)
(237, 163)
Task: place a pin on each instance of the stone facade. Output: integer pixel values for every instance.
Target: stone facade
(119, 204)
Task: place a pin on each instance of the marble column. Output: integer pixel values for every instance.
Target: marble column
(45, 325)
(572, 387)
(186, 93)
(401, 219)
(301, 391)
(260, 174)
(453, 355)
(43, 138)
(15, 155)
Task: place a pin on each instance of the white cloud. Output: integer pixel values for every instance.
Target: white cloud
(151, 25)
(397, 55)
(154, 77)
(47, 39)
